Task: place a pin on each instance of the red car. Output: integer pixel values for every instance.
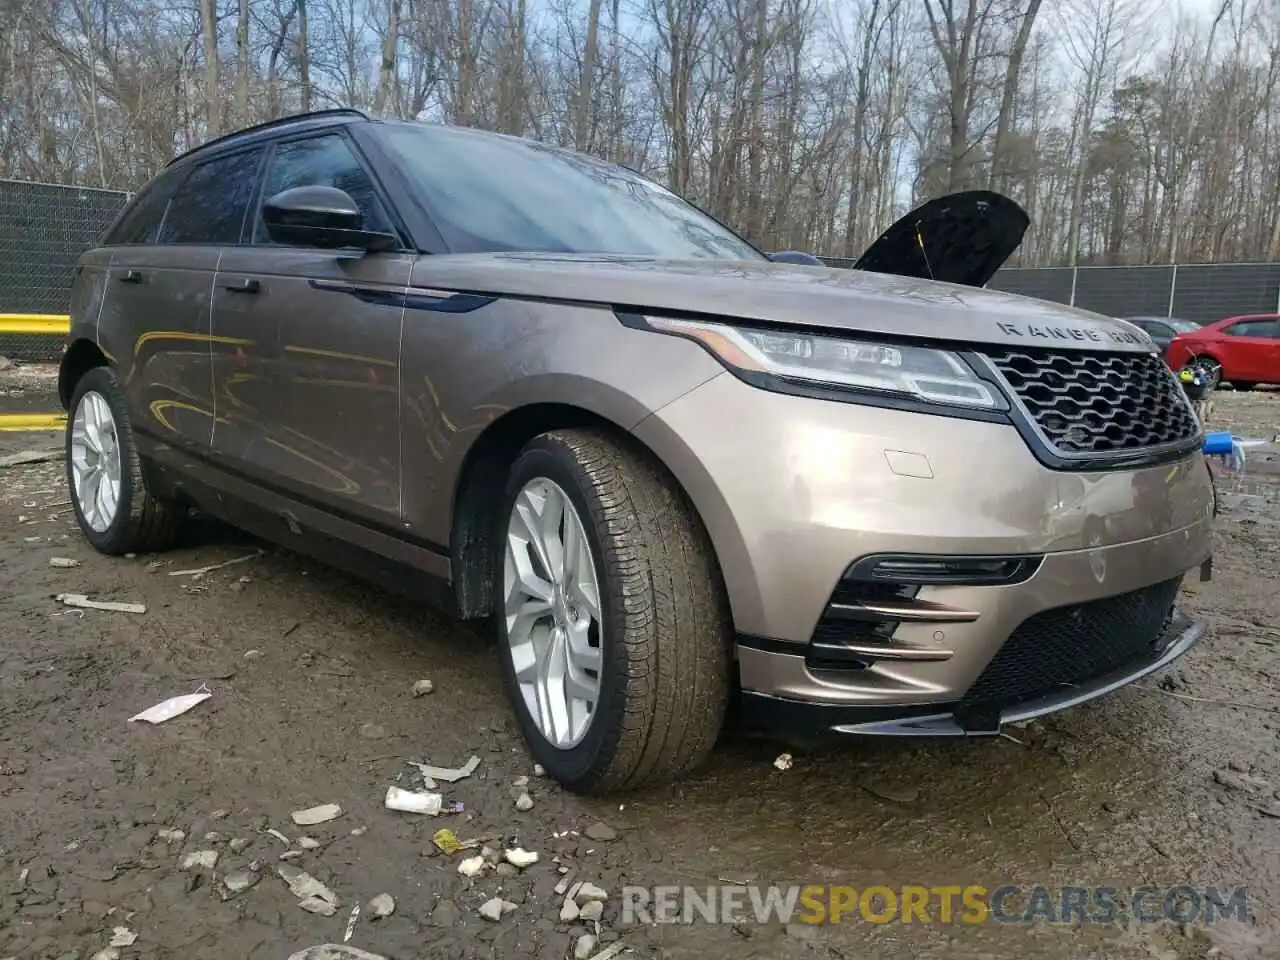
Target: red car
(1244, 350)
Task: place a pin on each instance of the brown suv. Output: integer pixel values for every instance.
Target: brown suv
(537, 387)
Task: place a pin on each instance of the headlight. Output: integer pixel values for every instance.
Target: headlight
(936, 376)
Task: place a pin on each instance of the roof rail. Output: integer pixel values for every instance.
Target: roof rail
(334, 112)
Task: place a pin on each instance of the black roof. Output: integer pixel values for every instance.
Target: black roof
(315, 119)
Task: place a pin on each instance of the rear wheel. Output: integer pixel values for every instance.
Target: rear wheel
(613, 628)
(113, 506)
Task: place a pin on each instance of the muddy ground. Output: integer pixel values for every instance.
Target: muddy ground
(312, 679)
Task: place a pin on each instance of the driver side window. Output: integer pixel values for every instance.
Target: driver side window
(324, 161)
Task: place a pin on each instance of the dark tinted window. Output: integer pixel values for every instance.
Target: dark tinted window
(1254, 328)
(141, 220)
(490, 193)
(326, 161)
(210, 205)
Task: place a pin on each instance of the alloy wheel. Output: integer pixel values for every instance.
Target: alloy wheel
(552, 610)
(95, 461)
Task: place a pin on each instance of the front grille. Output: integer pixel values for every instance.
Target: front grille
(1074, 645)
(1098, 403)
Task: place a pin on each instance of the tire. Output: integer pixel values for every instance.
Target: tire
(664, 635)
(139, 522)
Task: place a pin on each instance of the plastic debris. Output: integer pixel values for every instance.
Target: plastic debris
(447, 774)
(314, 815)
(407, 801)
(520, 857)
(81, 601)
(313, 896)
(63, 563)
(783, 762)
(122, 937)
(447, 842)
(472, 866)
(423, 687)
(351, 924)
(383, 905)
(173, 707)
(198, 572)
(278, 835)
(24, 457)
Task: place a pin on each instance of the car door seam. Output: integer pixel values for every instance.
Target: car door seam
(213, 379)
(102, 300)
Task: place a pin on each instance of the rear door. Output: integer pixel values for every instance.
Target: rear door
(332, 433)
(155, 322)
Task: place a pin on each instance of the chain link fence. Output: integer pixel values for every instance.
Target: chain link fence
(1200, 292)
(45, 227)
(43, 230)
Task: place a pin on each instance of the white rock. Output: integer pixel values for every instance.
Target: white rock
(539, 770)
(591, 910)
(471, 866)
(569, 911)
(496, 908)
(524, 803)
(589, 891)
(308, 843)
(585, 946)
(422, 687)
(239, 881)
(106, 953)
(520, 783)
(122, 937)
(334, 951)
(313, 815)
(383, 905)
(319, 905)
(200, 860)
(64, 563)
(520, 857)
(171, 836)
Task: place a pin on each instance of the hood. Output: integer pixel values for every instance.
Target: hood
(850, 302)
(961, 238)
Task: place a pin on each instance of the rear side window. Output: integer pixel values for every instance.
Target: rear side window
(1253, 328)
(140, 222)
(324, 161)
(210, 206)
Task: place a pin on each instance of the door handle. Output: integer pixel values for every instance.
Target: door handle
(244, 285)
(131, 276)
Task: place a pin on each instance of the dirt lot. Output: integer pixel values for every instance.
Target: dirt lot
(312, 679)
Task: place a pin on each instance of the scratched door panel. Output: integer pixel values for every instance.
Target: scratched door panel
(154, 327)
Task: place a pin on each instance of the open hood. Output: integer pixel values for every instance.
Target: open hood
(961, 238)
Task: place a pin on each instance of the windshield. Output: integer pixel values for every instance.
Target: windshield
(489, 194)
(1184, 326)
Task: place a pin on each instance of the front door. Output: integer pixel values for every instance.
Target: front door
(332, 424)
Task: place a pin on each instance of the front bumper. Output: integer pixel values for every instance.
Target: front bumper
(798, 500)
(806, 720)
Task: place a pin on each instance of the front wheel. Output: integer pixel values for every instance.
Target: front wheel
(613, 627)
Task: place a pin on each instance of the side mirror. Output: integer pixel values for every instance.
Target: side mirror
(323, 217)
(796, 256)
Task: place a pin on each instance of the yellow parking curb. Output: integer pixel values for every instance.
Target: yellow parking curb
(50, 324)
(32, 421)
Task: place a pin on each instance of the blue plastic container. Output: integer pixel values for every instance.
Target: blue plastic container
(1217, 443)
